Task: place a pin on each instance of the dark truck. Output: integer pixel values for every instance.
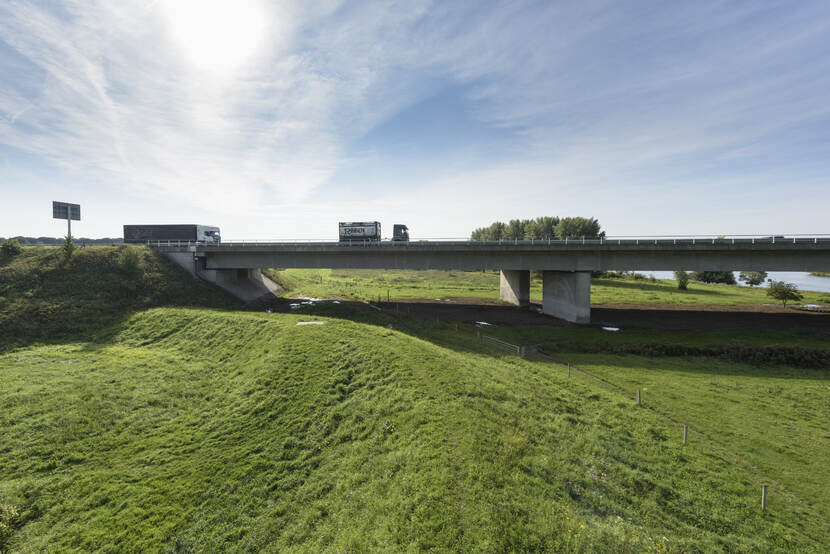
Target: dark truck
(171, 233)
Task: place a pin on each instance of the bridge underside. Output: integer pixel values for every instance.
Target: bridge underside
(597, 260)
(566, 268)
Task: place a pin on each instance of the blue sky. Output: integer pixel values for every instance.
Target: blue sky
(277, 120)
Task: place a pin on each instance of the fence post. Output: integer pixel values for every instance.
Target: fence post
(763, 498)
(569, 369)
(638, 397)
(685, 433)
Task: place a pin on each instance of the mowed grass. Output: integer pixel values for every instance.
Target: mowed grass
(201, 431)
(409, 285)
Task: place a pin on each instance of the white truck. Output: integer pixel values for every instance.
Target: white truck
(360, 231)
(369, 231)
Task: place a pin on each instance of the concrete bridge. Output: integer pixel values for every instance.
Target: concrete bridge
(566, 265)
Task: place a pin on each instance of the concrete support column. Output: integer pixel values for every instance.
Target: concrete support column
(567, 295)
(514, 286)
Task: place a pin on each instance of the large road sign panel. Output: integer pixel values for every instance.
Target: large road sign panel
(62, 210)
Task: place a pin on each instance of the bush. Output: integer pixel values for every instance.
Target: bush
(753, 278)
(68, 248)
(130, 261)
(784, 292)
(725, 277)
(682, 279)
(11, 248)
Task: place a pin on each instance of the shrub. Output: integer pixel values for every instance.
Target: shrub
(725, 277)
(753, 278)
(130, 261)
(682, 279)
(11, 248)
(68, 248)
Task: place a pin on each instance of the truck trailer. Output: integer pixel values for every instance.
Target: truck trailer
(139, 234)
(369, 231)
(360, 231)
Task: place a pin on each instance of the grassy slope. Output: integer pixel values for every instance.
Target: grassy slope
(201, 430)
(368, 284)
(42, 298)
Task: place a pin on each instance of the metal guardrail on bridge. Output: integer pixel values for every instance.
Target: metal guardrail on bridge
(569, 242)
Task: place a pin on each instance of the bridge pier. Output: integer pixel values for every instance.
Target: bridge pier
(567, 295)
(514, 286)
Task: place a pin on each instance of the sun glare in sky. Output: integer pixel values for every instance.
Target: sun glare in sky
(217, 35)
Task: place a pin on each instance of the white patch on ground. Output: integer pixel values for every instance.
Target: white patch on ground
(310, 322)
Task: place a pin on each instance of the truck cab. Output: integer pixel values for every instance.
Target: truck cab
(400, 233)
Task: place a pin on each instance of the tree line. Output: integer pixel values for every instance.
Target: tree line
(59, 241)
(541, 228)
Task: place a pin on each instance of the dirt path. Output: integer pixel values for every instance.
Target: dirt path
(647, 316)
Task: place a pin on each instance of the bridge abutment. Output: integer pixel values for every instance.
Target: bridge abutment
(567, 295)
(247, 284)
(514, 286)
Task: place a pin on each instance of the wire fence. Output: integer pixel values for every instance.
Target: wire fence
(728, 455)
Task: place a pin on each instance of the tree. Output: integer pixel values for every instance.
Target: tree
(573, 227)
(682, 279)
(725, 277)
(493, 232)
(753, 278)
(11, 248)
(784, 292)
(541, 228)
(515, 230)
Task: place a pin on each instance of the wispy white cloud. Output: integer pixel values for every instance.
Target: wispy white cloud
(596, 98)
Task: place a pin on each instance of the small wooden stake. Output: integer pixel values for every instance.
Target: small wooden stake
(685, 432)
(569, 369)
(763, 497)
(638, 397)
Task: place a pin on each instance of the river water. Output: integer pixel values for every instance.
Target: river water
(804, 281)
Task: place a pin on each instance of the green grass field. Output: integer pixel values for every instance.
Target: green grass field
(196, 430)
(407, 285)
(209, 429)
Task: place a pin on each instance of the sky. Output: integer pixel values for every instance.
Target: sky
(275, 120)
